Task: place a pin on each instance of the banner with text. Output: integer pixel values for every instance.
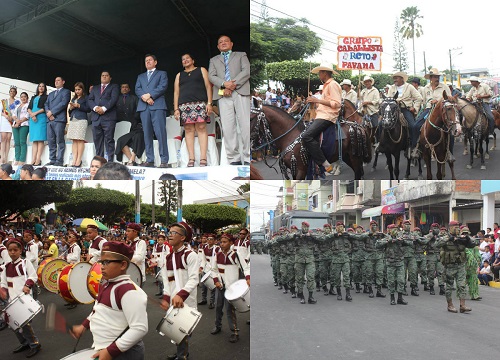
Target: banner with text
(359, 53)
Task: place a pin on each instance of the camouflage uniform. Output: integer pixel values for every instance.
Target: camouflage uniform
(453, 259)
(290, 264)
(410, 264)
(434, 266)
(358, 258)
(304, 263)
(375, 261)
(341, 248)
(282, 241)
(325, 253)
(420, 258)
(394, 255)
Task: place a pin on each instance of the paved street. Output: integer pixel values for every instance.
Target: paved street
(381, 173)
(203, 345)
(366, 328)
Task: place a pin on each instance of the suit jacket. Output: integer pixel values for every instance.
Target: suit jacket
(107, 99)
(127, 111)
(58, 104)
(156, 87)
(239, 68)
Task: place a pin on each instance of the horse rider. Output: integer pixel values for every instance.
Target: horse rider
(327, 112)
(370, 101)
(409, 101)
(481, 91)
(347, 91)
(433, 93)
(416, 82)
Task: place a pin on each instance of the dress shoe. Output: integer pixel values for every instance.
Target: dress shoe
(58, 164)
(211, 305)
(246, 163)
(235, 163)
(34, 351)
(51, 163)
(174, 357)
(215, 330)
(21, 348)
(163, 165)
(234, 338)
(160, 294)
(148, 164)
(203, 302)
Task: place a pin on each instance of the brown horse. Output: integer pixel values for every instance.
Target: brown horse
(435, 137)
(271, 125)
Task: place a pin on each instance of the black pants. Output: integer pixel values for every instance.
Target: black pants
(311, 139)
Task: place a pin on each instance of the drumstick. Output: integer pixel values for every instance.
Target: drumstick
(55, 321)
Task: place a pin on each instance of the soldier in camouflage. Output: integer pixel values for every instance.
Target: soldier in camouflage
(453, 258)
(284, 259)
(358, 258)
(409, 259)
(420, 258)
(394, 255)
(290, 269)
(304, 263)
(325, 249)
(341, 248)
(318, 235)
(434, 266)
(374, 269)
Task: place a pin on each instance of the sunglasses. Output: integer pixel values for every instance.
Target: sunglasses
(107, 262)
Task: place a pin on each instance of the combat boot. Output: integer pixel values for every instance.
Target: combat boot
(301, 297)
(280, 286)
(348, 295)
(393, 300)
(294, 294)
(358, 288)
(464, 308)
(370, 291)
(414, 291)
(275, 283)
(311, 300)
(405, 293)
(339, 293)
(379, 292)
(325, 290)
(318, 288)
(426, 288)
(286, 289)
(441, 290)
(401, 300)
(332, 290)
(432, 290)
(365, 289)
(451, 307)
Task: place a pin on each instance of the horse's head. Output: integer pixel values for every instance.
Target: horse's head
(445, 111)
(257, 127)
(389, 112)
(349, 112)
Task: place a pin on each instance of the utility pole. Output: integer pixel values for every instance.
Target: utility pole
(179, 201)
(137, 202)
(153, 205)
(451, 65)
(425, 65)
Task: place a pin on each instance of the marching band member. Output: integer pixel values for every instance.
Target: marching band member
(160, 250)
(119, 320)
(4, 259)
(242, 245)
(207, 263)
(96, 244)
(139, 247)
(180, 278)
(74, 250)
(31, 248)
(18, 278)
(227, 269)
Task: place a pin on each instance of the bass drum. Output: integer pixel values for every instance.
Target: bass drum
(94, 277)
(63, 284)
(238, 294)
(50, 274)
(72, 283)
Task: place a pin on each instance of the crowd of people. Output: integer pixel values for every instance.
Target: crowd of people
(58, 116)
(176, 259)
(331, 259)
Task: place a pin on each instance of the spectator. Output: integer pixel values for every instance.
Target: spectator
(78, 110)
(485, 275)
(96, 163)
(496, 268)
(27, 172)
(38, 123)
(39, 173)
(486, 255)
(113, 171)
(20, 129)
(6, 171)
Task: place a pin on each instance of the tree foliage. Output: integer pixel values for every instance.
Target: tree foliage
(400, 54)
(294, 75)
(102, 203)
(209, 218)
(19, 196)
(160, 215)
(168, 197)
(411, 29)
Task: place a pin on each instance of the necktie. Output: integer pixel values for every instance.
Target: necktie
(227, 75)
(102, 88)
(149, 74)
(124, 98)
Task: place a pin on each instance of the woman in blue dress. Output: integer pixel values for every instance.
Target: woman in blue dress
(38, 123)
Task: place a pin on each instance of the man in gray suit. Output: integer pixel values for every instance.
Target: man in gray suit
(230, 74)
(150, 88)
(56, 109)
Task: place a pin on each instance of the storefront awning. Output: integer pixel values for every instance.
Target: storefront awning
(398, 208)
(372, 212)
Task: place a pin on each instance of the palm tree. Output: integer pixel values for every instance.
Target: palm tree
(411, 28)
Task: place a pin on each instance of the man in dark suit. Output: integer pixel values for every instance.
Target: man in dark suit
(56, 109)
(126, 107)
(102, 100)
(229, 73)
(150, 88)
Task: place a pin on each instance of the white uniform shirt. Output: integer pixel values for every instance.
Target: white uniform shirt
(140, 250)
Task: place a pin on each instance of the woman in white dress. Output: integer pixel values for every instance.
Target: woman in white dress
(8, 108)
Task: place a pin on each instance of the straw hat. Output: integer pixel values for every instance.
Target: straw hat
(432, 71)
(368, 78)
(323, 66)
(474, 78)
(401, 74)
(346, 82)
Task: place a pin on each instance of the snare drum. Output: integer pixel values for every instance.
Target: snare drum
(135, 273)
(179, 323)
(84, 354)
(21, 310)
(50, 274)
(208, 280)
(238, 294)
(73, 283)
(95, 274)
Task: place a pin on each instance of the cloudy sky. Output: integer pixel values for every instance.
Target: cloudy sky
(446, 25)
(264, 198)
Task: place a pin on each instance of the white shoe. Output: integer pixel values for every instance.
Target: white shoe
(337, 171)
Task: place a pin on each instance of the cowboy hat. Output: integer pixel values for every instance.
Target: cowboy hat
(401, 74)
(320, 88)
(474, 78)
(368, 78)
(432, 71)
(325, 67)
(346, 82)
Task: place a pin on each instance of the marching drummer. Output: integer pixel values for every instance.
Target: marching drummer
(119, 320)
(18, 278)
(96, 244)
(227, 269)
(160, 250)
(4, 259)
(31, 248)
(210, 251)
(180, 278)
(242, 245)
(138, 246)
(74, 250)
